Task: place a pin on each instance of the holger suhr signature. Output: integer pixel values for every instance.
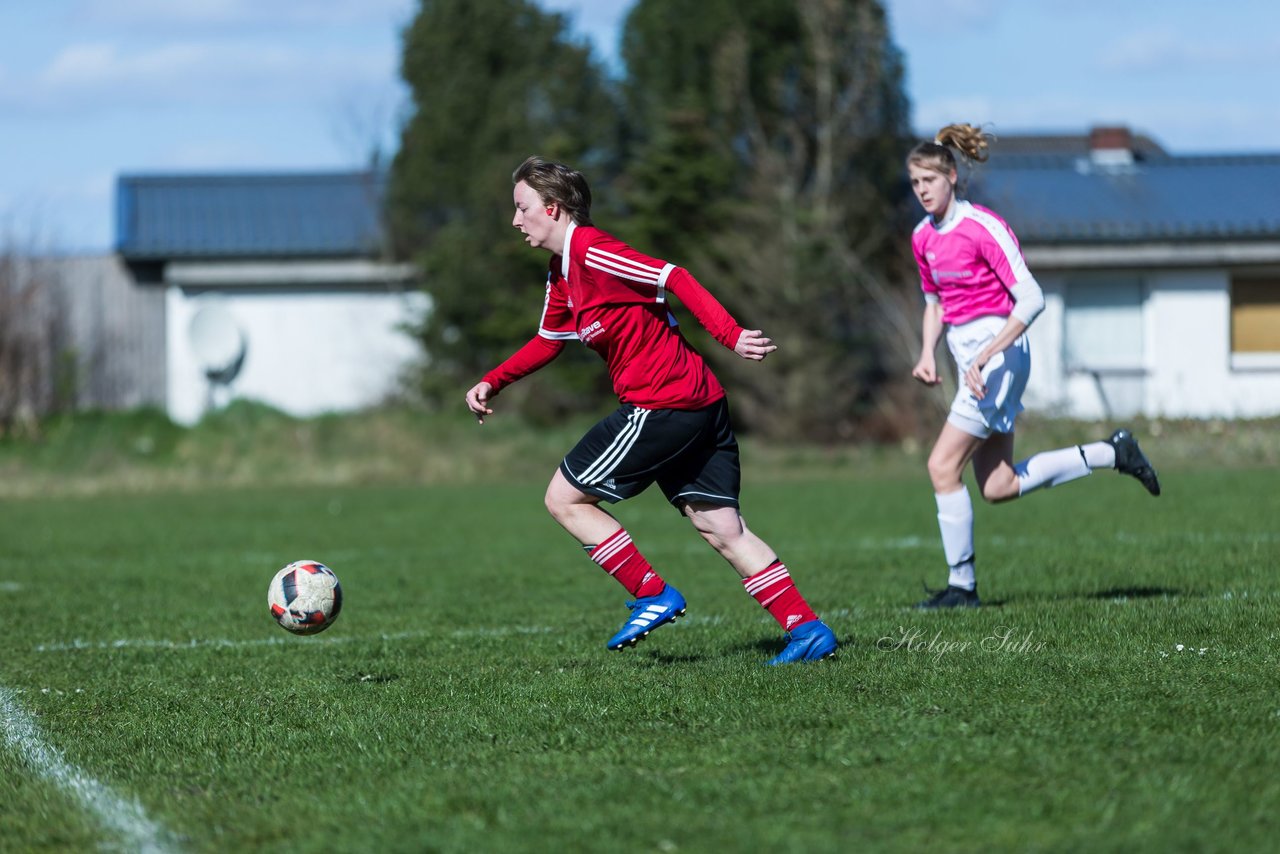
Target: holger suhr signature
(1004, 639)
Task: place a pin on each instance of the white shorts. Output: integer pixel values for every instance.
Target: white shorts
(1005, 376)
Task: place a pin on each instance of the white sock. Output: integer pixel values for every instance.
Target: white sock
(1051, 468)
(1099, 455)
(955, 522)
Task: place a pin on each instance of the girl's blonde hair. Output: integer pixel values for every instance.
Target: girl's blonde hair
(972, 143)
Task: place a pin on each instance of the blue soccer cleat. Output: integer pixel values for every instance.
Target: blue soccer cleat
(812, 641)
(647, 614)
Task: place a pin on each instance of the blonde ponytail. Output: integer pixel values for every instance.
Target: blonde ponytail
(970, 141)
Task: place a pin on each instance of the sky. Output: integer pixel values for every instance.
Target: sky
(93, 89)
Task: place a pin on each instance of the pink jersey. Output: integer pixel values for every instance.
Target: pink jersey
(970, 263)
(612, 298)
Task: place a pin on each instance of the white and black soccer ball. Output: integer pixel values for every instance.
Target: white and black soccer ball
(305, 597)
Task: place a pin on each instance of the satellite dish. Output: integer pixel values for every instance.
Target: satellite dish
(219, 347)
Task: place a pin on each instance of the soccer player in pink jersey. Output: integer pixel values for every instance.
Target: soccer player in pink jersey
(978, 289)
(673, 425)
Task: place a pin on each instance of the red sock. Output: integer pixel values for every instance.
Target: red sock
(619, 557)
(773, 589)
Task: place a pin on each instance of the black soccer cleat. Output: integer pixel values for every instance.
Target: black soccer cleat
(949, 597)
(1131, 461)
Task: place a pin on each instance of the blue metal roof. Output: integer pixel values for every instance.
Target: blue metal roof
(1066, 199)
(249, 215)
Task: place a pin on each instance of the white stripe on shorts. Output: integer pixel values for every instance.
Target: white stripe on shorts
(617, 450)
(716, 498)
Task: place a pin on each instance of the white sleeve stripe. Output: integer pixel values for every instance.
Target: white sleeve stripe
(1005, 241)
(623, 274)
(638, 266)
(662, 282)
(542, 321)
(546, 303)
(620, 266)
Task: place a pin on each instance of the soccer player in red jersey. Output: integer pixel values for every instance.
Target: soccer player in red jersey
(673, 425)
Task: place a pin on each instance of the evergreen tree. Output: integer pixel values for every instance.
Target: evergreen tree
(492, 81)
(796, 119)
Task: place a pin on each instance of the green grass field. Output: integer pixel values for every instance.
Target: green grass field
(1118, 694)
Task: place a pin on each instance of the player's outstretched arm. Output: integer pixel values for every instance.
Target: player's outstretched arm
(478, 400)
(753, 345)
(529, 358)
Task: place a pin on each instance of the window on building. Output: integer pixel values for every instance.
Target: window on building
(1255, 315)
(1103, 324)
(1102, 338)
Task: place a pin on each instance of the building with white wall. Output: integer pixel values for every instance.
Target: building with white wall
(1161, 274)
(297, 306)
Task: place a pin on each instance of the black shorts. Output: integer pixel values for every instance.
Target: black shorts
(691, 454)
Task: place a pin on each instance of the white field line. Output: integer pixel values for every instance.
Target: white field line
(125, 818)
(282, 639)
(224, 643)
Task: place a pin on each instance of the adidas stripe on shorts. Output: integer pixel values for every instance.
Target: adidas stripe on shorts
(691, 454)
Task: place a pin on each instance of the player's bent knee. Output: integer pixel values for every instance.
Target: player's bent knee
(562, 498)
(720, 526)
(551, 498)
(944, 476)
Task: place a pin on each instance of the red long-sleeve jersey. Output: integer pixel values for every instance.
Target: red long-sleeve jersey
(613, 299)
